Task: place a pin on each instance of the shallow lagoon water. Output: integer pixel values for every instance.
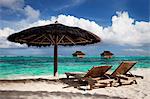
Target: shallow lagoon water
(13, 66)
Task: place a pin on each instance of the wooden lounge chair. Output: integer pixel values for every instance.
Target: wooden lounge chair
(123, 68)
(123, 73)
(120, 75)
(96, 71)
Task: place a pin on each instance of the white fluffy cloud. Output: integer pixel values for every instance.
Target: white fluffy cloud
(69, 21)
(126, 31)
(12, 4)
(19, 5)
(31, 13)
(123, 31)
(4, 43)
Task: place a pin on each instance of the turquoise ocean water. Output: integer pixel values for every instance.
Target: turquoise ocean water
(36, 66)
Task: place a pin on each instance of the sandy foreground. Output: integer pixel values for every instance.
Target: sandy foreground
(48, 88)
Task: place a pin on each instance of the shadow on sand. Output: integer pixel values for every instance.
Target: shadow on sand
(51, 95)
(71, 82)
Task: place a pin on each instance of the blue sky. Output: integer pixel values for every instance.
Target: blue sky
(123, 25)
(100, 11)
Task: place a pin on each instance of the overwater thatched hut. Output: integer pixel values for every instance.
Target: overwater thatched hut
(79, 54)
(107, 54)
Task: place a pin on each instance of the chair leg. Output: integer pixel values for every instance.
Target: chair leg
(67, 76)
(119, 81)
(135, 81)
(91, 86)
(111, 83)
(91, 83)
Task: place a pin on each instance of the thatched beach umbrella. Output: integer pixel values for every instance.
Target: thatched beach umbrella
(54, 34)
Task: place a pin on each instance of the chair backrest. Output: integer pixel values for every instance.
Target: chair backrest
(97, 71)
(123, 68)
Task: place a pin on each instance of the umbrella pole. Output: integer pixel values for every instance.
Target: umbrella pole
(55, 60)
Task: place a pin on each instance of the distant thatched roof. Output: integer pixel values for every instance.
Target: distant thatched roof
(54, 33)
(78, 53)
(106, 53)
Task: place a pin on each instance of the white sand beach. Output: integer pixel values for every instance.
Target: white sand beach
(52, 89)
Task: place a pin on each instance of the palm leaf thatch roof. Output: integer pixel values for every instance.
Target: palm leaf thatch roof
(54, 34)
(106, 53)
(78, 53)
